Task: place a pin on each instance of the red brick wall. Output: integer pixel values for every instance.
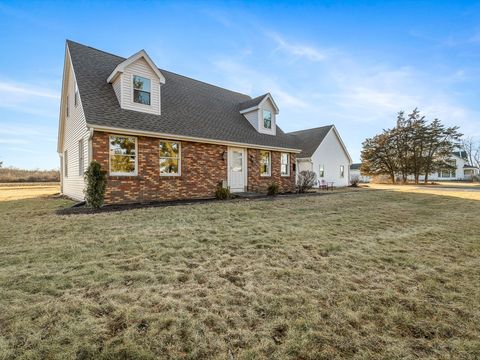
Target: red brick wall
(261, 183)
(202, 167)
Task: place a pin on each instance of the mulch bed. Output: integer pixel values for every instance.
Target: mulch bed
(81, 208)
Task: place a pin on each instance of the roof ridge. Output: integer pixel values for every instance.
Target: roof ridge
(305, 130)
(171, 72)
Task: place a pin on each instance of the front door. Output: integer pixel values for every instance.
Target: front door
(237, 171)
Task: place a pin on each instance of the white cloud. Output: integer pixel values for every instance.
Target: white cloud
(298, 50)
(13, 141)
(10, 89)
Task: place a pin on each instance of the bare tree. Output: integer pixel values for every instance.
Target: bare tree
(471, 146)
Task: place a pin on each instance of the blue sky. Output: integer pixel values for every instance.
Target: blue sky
(354, 64)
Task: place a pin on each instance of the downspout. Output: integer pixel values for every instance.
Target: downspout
(90, 146)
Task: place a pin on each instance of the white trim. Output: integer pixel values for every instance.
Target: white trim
(267, 96)
(133, 91)
(121, 67)
(179, 158)
(132, 132)
(269, 174)
(289, 164)
(244, 165)
(135, 173)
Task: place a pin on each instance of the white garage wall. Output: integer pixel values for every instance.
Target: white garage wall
(332, 155)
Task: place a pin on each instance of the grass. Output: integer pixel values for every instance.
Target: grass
(469, 191)
(12, 191)
(15, 175)
(367, 274)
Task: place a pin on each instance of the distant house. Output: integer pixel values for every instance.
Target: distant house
(324, 153)
(164, 136)
(355, 173)
(458, 169)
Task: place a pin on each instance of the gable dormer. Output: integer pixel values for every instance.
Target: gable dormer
(137, 84)
(261, 112)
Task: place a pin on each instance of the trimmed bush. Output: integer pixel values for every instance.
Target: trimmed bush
(96, 180)
(272, 189)
(222, 193)
(306, 180)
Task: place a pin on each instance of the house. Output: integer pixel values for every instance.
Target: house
(457, 168)
(324, 153)
(355, 173)
(162, 136)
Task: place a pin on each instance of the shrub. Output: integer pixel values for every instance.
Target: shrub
(354, 181)
(222, 193)
(96, 180)
(306, 180)
(272, 189)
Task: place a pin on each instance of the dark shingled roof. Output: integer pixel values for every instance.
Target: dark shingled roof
(252, 102)
(189, 107)
(309, 140)
(355, 166)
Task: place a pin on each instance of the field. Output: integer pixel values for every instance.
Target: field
(365, 274)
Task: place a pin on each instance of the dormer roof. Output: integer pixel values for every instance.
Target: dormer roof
(120, 68)
(256, 103)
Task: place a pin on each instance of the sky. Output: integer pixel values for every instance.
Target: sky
(353, 64)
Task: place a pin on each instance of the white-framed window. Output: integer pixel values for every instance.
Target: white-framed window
(80, 157)
(141, 90)
(447, 173)
(65, 163)
(342, 171)
(321, 171)
(68, 106)
(265, 163)
(123, 155)
(75, 99)
(267, 119)
(170, 158)
(285, 164)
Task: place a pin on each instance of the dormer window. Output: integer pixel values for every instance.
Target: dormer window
(267, 119)
(141, 90)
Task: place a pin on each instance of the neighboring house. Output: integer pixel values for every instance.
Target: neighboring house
(355, 173)
(459, 168)
(163, 136)
(323, 152)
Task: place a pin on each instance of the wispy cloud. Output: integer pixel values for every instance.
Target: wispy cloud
(297, 50)
(13, 141)
(9, 89)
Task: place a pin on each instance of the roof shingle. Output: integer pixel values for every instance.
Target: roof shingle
(189, 107)
(309, 140)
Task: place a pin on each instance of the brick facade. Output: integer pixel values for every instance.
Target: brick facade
(203, 166)
(257, 183)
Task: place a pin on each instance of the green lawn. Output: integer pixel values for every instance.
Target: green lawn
(368, 274)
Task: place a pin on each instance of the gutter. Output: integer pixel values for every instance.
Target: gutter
(188, 138)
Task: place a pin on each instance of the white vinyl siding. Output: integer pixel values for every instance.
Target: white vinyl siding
(75, 129)
(139, 68)
(331, 156)
(117, 87)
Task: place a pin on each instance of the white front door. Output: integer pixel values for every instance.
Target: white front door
(237, 169)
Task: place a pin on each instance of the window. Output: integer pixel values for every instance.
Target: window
(68, 106)
(169, 158)
(65, 163)
(285, 164)
(141, 90)
(123, 155)
(267, 119)
(447, 173)
(321, 171)
(75, 99)
(342, 171)
(80, 157)
(264, 163)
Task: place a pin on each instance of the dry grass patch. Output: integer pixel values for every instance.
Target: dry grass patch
(364, 274)
(468, 191)
(16, 191)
